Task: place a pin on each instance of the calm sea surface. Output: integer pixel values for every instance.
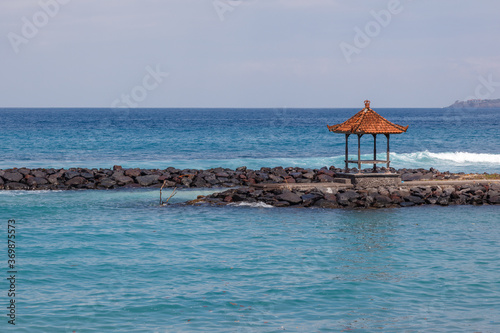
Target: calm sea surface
(114, 261)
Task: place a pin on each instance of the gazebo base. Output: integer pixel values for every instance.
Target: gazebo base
(372, 179)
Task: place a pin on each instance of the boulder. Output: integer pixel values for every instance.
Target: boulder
(322, 203)
(148, 180)
(396, 198)
(276, 179)
(87, 175)
(39, 174)
(71, 174)
(325, 178)
(133, 172)
(36, 181)
(122, 180)
(308, 175)
(107, 172)
(16, 186)
(382, 199)
(24, 171)
(54, 179)
(411, 176)
(310, 198)
(239, 197)
(107, 182)
(448, 191)
(117, 174)
(345, 197)
(432, 200)
(290, 197)
(415, 199)
(280, 172)
(75, 181)
(443, 201)
(494, 200)
(199, 182)
(13, 177)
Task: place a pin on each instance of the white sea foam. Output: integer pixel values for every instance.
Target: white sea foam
(463, 157)
(252, 204)
(456, 157)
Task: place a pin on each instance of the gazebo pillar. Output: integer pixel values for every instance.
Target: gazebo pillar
(388, 161)
(359, 152)
(374, 152)
(346, 152)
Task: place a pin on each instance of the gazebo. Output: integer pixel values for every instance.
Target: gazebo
(364, 122)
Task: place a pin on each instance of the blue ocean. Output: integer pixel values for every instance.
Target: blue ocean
(115, 261)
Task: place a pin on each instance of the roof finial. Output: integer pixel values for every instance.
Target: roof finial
(367, 104)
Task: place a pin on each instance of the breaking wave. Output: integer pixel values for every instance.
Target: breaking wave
(456, 162)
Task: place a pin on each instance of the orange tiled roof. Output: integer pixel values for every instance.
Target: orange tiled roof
(367, 121)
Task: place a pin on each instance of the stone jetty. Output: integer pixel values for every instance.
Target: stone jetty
(279, 187)
(118, 177)
(348, 196)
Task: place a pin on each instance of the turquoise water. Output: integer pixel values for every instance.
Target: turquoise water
(115, 261)
(454, 140)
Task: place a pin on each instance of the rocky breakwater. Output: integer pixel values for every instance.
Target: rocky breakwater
(118, 177)
(381, 197)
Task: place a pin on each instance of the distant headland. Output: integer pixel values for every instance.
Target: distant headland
(476, 103)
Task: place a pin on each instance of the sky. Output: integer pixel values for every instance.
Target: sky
(248, 53)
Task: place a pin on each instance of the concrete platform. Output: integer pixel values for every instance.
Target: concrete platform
(371, 179)
(302, 186)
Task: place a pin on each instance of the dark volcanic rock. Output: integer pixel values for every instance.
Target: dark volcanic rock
(322, 203)
(411, 176)
(75, 181)
(382, 200)
(39, 174)
(346, 197)
(16, 186)
(310, 198)
(24, 171)
(36, 181)
(87, 175)
(133, 172)
(122, 180)
(13, 176)
(147, 180)
(71, 174)
(415, 199)
(107, 182)
(290, 197)
(325, 178)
